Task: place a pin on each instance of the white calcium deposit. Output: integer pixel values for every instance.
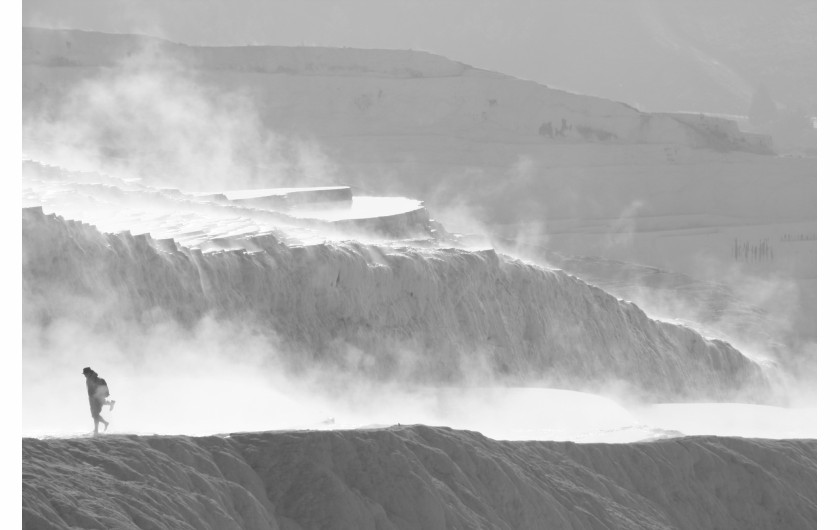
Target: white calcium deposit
(427, 313)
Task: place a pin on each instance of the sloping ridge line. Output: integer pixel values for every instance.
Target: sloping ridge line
(415, 477)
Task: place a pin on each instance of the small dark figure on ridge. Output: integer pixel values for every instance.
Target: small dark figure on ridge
(97, 390)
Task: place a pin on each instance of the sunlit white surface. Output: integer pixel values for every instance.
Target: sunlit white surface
(563, 415)
(236, 195)
(733, 419)
(362, 208)
(144, 406)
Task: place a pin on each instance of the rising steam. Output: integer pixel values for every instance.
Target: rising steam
(151, 117)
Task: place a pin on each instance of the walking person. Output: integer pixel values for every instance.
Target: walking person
(98, 393)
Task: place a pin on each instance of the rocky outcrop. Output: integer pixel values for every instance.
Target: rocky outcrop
(415, 477)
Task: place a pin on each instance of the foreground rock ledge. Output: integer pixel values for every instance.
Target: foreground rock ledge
(415, 477)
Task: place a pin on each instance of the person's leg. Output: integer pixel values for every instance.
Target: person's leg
(96, 420)
(95, 409)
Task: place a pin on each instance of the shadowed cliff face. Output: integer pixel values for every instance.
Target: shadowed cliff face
(415, 477)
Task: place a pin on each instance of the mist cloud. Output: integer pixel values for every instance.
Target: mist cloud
(152, 117)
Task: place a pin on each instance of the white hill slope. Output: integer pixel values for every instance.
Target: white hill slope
(415, 477)
(333, 91)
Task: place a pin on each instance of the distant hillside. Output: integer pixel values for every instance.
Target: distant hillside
(415, 477)
(665, 55)
(381, 92)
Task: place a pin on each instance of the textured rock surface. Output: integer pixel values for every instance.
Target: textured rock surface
(415, 477)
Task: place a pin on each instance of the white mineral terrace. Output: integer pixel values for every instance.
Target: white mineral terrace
(235, 195)
(325, 203)
(361, 208)
(293, 216)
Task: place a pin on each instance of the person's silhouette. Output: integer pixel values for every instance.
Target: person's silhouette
(97, 390)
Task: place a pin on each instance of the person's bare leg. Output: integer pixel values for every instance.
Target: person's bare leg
(96, 422)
